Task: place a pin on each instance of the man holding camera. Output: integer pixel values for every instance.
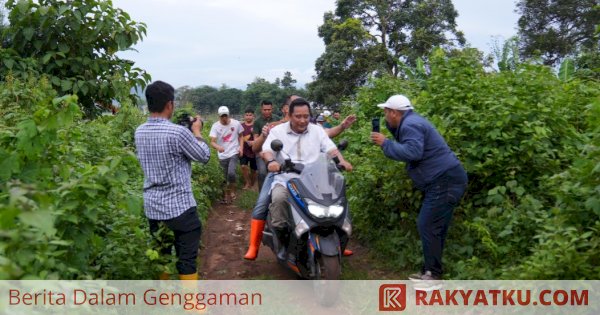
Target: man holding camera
(434, 169)
(165, 151)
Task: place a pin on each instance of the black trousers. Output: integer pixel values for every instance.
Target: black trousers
(187, 229)
(440, 199)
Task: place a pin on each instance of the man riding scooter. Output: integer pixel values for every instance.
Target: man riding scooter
(260, 211)
(303, 141)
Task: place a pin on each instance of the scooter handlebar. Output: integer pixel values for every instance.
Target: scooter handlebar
(337, 164)
(291, 167)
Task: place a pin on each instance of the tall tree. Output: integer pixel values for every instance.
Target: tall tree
(183, 95)
(75, 43)
(230, 97)
(287, 83)
(204, 100)
(261, 89)
(351, 54)
(554, 29)
(365, 37)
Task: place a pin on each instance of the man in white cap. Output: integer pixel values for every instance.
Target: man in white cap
(433, 168)
(226, 138)
(326, 119)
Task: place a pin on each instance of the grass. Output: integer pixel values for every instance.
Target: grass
(351, 273)
(246, 199)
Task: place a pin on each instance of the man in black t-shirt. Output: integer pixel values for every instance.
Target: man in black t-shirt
(267, 118)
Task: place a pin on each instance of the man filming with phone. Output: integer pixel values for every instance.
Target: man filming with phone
(434, 169)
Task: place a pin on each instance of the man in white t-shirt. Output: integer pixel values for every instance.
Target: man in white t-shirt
(302, 142)
(226, 138)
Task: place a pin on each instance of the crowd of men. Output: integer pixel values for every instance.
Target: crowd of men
(165, 151)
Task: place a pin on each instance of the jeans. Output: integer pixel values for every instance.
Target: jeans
(261, 208)
(262, 172)
(440, 198)
(187, 229)
(229, 166)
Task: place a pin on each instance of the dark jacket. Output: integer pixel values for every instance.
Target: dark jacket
(421, 146)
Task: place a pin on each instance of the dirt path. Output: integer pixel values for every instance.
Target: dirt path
(225, 241)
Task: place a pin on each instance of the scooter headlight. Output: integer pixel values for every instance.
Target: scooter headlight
(335, 210)
(321, 211)
(316, 209)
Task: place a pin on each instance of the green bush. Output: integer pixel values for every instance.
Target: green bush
(71, 190)
(526, 140)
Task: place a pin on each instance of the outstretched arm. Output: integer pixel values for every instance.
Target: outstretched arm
(347, 123)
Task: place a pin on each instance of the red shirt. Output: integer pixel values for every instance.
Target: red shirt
(248, 136)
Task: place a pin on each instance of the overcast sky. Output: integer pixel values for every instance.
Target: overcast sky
(214, 42)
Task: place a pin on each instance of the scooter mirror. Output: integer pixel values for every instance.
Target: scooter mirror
(342, 145)
(276, 145)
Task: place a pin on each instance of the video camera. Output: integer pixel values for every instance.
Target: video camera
(187, 121)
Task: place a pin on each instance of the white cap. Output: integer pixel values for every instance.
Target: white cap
(223, 110)
(326, 113)
(397, 102)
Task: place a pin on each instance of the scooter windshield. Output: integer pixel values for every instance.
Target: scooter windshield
(322, 178)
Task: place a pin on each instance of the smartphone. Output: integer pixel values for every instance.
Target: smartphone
(375, 124)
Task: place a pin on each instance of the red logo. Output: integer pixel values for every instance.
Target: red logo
(392, 297)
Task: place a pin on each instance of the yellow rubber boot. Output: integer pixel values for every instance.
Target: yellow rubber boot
(164, 276)
(191, 287)
(192, 276)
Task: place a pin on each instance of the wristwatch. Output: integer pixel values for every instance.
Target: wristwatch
(269, 162)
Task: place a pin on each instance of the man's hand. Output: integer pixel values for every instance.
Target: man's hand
(377, 138)
(197, 126)
(347, 166)
(241, 151)
(265, 131)
(221, 149)
(274, 167)
(348, 121)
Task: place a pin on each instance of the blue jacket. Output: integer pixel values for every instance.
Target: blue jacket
(420, 145)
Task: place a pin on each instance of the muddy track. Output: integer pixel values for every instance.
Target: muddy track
(225, 240)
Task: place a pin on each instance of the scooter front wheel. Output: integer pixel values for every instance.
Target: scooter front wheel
(327, 292)
(328, 268)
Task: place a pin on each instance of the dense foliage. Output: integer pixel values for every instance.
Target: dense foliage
(364, 37)
(554, 29)
(529, 142)
(71, 190)
(529, 137)
(75, 45)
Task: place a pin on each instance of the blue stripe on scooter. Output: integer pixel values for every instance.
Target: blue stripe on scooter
(295, 195)
(313, 243)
